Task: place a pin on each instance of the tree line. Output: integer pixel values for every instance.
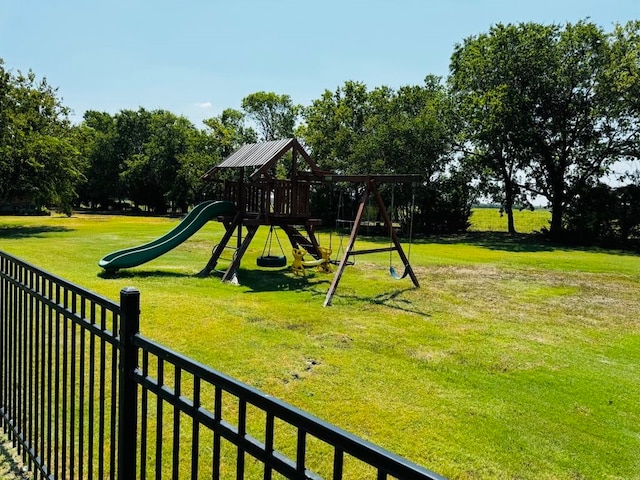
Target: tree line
(528, 111)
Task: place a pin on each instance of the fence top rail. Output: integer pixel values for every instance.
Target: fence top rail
(91, 296)
(318, 428)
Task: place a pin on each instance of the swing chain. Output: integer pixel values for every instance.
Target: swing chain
(392, 270)
(269, 241)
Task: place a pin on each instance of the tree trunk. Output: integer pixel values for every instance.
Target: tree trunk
(558, 204)
(510, 223)
(509, 195)
(557, 212)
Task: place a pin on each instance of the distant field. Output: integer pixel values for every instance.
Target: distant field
(526, 221)
(516, 358)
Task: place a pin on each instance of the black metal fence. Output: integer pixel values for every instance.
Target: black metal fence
(84, 395)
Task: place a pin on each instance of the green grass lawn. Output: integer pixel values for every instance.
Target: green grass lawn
(515, 359)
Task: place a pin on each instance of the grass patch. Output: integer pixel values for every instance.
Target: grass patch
(515, 359)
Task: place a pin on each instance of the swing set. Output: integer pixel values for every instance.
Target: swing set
(263, 197)
(371, 183)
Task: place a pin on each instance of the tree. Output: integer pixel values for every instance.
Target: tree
(487, 71)
(412, 131)
(382, 131)
(335, 132)
(154, 158)
(275, 115)
(153, 145)
(38, 161)
(228, 132)
(605, 215)
(224, 134)
(6, 166)
(334, 126)
(558, 104)
(105, 165)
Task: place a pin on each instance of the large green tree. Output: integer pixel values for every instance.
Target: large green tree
(97, 141)
(227, 132)
(157, 146)
(356, 131)
(335, 127)
(275, 115)
(39, 164)
(549, 109)
(5, 100)
(411, 131)
(486, 73)
(154, 158)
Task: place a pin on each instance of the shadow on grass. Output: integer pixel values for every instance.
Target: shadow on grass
(523, 242)
(21, 231)
(258, 281)
(255, 280)
(390, 300)
(280, 280)
(10, 463)
(120, 274)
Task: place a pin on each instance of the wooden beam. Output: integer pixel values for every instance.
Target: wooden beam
(372, 250)
(314, 166)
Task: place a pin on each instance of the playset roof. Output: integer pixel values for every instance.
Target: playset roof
(261, 156)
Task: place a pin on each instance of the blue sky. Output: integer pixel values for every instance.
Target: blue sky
(198, 57)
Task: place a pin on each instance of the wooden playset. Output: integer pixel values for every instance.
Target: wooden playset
(271, 186)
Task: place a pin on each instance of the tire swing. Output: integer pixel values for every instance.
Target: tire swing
(268, 260)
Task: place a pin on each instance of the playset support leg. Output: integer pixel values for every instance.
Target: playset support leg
(213, 261)
(235, 263)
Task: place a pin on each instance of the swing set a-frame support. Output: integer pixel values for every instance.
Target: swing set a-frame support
(371, 189)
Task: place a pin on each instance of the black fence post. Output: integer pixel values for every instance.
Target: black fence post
(128, 401)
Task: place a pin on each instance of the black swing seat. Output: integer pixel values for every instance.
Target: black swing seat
(395, 274)
(337, 262)
(272, 261)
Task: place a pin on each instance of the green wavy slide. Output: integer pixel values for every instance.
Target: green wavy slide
(190, 224)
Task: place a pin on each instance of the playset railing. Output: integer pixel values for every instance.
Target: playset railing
(277, 198)
(84, 395)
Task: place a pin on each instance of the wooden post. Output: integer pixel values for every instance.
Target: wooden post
(293, 208)
(242, 205)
